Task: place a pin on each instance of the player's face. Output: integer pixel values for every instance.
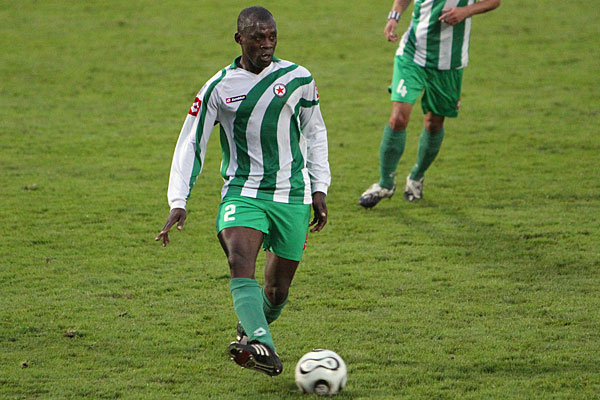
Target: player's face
(258, 45)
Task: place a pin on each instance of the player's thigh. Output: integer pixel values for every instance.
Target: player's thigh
(241, 245)
(442, 92)
(408, 81)
(288, 230)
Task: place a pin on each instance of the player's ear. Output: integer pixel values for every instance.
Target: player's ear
(238, 38)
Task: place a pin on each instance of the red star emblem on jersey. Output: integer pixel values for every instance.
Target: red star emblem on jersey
(279, 89)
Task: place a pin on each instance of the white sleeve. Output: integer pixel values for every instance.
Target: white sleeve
(313, 129)
(190, 150)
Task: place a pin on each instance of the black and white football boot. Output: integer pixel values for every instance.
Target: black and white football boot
(374, 194)
(413, 189)
(256, 355)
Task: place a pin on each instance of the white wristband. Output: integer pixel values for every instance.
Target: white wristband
(394, 15)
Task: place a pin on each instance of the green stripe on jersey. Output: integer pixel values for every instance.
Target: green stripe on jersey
(225, 152)
(297, 179)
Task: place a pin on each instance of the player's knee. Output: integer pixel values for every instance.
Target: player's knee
(433, 128)
(434, 123)
(398, 122)
(277, 293)
(240, 266)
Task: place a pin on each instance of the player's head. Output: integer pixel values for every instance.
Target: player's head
(257, 35)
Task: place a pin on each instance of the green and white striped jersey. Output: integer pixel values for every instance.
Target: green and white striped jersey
(434, 44)
(273, 138)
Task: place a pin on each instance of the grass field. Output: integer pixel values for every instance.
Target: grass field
(486, 289)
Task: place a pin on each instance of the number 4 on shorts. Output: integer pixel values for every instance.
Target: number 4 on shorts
(401, 88)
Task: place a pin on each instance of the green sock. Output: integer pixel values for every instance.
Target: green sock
(248, 305)
(272, 312)
(429, 147)
(390, 151)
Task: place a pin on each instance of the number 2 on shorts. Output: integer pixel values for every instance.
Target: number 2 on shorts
(229, 211)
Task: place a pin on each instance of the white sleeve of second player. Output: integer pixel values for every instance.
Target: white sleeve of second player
(190, 150)
(313, 129)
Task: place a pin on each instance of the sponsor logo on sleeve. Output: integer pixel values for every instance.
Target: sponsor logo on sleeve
(195, 107)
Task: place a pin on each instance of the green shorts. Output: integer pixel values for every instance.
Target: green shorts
(285, 225)
(441, 87)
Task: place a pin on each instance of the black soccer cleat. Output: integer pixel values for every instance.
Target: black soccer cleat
(374, 194)
(241, 336)
(256, 355)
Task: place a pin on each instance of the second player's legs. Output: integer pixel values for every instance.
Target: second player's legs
(441, 99)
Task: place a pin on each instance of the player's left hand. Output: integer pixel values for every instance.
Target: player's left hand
(453, 16)
(320, 208)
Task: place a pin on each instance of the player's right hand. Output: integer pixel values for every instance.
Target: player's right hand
(390, 30)
(177, 215)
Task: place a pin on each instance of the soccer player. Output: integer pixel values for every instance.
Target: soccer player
(430, 59)
(275, 165)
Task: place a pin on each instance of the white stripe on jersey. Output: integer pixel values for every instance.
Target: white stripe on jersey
(307, 193)
(421, 32)
(305, 174)
(404, 39)
(465, 46)
(227, 126)
(445, 56)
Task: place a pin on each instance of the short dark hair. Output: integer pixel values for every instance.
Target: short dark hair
(251, 15)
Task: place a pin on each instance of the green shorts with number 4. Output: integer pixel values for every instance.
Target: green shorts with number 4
(441, 87)
(285, 225)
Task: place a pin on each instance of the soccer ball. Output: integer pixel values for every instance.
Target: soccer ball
(321, 372)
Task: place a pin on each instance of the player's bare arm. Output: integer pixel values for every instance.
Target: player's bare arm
(176, 216)
(320, 210)
(390, 28)
(454, 16)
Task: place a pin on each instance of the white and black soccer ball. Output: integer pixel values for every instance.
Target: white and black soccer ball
(321, 372)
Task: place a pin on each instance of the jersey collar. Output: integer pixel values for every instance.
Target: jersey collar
(234, 64)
